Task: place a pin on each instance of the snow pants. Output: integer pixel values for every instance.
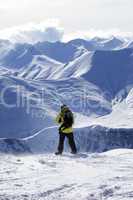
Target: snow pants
(71, 142)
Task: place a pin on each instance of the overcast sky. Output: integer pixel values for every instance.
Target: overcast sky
(74, 15)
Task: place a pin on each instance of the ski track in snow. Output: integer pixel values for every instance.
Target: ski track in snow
(106, 176)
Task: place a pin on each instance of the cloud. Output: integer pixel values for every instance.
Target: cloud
(3, 9)
(51, 31)
(57, 3)
(32, 33)
(6, 5)
(88, 34)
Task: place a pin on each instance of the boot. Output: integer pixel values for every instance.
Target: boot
(58, 153)
(74, 152)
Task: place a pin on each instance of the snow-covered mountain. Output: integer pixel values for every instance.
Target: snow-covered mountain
(20, 55)
(93, 77)
(111, 70)
(41, 66)
(130, 45)
(17, 55)
(62, 52)
(99, 43)
(27, 106)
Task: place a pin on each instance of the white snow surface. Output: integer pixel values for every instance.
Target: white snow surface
(105, 176)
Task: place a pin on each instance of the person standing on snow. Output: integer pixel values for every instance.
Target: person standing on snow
(66, 120)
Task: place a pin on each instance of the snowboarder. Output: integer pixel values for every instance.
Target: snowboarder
(66, 120)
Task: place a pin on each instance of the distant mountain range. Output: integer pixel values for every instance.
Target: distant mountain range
(93, 77)
(20, 55)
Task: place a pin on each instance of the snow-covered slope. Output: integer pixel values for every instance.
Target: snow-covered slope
(41, 67)
(111, 70)
(130, 44)
(62, 52)
(44, 68)
(106, 176)
(75, 68)
(17, 56)
(5, 48)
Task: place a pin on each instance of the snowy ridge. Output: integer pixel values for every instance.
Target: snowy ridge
(90, 139)
(77, 67)
(105, 44)
(43, 67)
(20, 55)
(40, 67)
